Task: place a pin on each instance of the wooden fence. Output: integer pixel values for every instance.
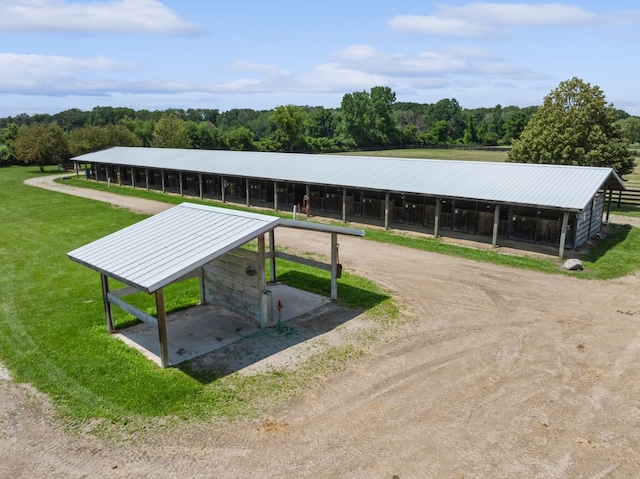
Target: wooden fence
(626, 197)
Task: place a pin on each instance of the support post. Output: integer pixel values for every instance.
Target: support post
(180, 181)
(496, 224)
(609, 204)
(344, 205)
(133, 177)
(146, 177)
(203, 298)
(436, 221)
(162, 328)
(386, 211)
(563, 234)
(223, 187)
(246, 187)
(275, 196)
(107, 305)
(334, 266)
(200, 185)
(272, 259)
(164, 190)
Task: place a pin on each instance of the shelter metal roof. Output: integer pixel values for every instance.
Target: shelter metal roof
(163, 248)
(541, 185)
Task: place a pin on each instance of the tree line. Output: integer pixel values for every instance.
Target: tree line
(365, 120)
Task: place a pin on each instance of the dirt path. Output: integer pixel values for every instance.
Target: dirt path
(500, 373)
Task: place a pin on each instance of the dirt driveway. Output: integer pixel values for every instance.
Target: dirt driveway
(498, 373)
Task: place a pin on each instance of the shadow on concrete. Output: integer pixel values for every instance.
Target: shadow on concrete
(208, 342)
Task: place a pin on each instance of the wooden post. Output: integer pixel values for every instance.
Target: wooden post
(272, 259)
(275, 196)
(334, 266)
(146, 176)
(386, 211)
(246, 187)
(162, 328)
(437, 218)
(496, 225)
(223, 187)
(200, 185)
(107, 305)
(609, 205)
(344, 205)
(133, 177)
(180, 181)
(203, 299)
(164, 190)
(563, 234)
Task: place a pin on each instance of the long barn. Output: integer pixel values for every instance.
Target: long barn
(556, 205)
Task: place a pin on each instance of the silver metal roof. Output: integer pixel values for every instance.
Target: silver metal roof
(163, 248)
(551, 186)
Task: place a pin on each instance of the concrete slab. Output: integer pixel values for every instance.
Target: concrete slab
(202, 329)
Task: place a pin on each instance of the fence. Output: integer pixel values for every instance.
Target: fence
(626, 197)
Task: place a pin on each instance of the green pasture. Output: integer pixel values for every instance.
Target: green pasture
(53, 333)
(53, 336)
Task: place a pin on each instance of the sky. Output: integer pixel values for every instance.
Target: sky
(157, 54)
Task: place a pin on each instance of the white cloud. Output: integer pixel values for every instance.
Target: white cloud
(116, 16)
(480, 19)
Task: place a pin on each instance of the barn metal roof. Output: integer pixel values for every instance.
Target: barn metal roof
(163, 248)
(550, 186)
(159, 250)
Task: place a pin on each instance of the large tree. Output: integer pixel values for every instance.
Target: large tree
(574, 126)
(170, 132)
(288, 123)
(41, 145)
(368, 117)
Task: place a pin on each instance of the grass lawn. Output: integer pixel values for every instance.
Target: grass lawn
(52, 331)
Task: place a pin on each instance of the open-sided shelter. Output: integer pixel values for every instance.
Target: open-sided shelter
(189, 241)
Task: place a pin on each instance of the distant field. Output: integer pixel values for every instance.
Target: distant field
(434, 154)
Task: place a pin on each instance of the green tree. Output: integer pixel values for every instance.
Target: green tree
(288, 122)
(368, 117)
(239, 139)
(471, 132)
(574, 126)
(95, 138)
(631, 128)
(170, 132)
(41, 145)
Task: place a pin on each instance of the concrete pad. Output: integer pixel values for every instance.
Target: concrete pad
(202, 329)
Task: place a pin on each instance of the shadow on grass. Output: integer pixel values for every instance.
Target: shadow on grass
(616, 235)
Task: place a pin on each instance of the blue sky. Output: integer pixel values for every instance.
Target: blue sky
(157, 54)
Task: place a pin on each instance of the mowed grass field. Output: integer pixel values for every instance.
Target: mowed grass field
(53, 336)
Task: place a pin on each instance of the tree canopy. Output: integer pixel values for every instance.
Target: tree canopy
(574, 126)
(41, 145)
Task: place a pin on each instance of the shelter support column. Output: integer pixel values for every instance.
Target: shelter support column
(386, 211)
(563, 234)
(436, 220)
(107, 305)
(272, 257)
(247, 192)
(344, 205)
(334, 266)
(164, 189)
(223, 187)
(162, 328)
(200, 184)
(496, 224)
(146, 177)
(133, 177)
(180, 180)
